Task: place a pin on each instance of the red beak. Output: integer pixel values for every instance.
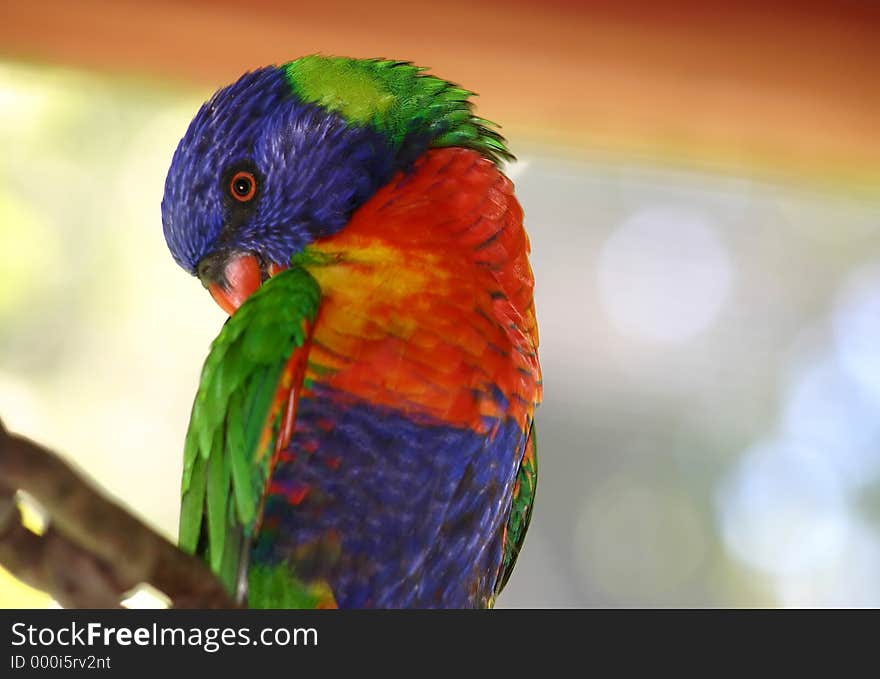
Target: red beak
(241, 278)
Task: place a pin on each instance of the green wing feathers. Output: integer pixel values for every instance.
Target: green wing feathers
(520, 509)
(236, 418)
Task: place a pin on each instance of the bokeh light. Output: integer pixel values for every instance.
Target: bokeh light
(783, 509)
(666, 540)
(856, 322)
(663, 274)
(830, 413)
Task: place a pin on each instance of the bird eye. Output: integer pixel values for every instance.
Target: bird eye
(243, 186)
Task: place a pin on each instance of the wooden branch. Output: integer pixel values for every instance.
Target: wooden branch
(93, 550)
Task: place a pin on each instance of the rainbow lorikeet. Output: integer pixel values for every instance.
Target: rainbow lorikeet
(363, 432)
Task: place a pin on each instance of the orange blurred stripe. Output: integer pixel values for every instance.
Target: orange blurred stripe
(787, 91)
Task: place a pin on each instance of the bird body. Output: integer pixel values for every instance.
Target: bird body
(395, 463)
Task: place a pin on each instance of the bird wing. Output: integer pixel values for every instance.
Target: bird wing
(242, 416)
(520, 510)
(427, 314)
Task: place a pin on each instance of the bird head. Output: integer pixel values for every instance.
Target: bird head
(283, 157)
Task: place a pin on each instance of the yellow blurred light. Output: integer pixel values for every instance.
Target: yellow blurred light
(29, 248)
(15, 594)
(32, 515)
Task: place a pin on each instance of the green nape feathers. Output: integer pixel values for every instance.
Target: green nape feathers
(227, 454)
(398, 99)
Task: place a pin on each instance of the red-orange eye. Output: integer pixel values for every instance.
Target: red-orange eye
(243, 186)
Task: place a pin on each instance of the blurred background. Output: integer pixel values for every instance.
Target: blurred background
(701, 189)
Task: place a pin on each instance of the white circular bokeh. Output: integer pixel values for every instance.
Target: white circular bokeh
(856, 321)
(783, 509)
(826, 410)
(663, 274)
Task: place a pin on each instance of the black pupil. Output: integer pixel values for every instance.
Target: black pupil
(242, 186)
